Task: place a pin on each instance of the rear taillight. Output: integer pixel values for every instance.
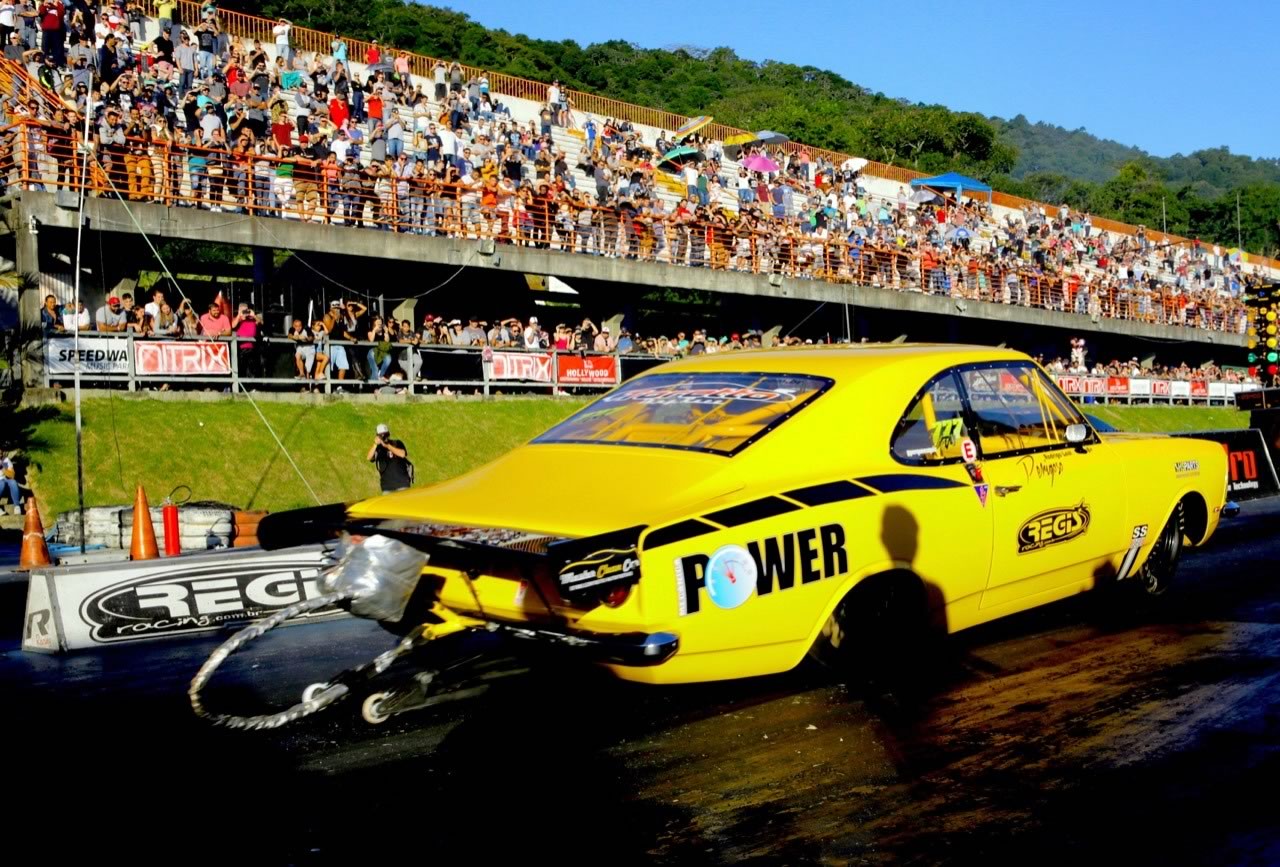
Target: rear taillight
(617, 596)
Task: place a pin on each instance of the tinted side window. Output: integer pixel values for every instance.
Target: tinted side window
(931, 429)
(1017, 408)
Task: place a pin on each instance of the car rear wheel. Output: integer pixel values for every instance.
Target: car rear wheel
(876, 636)
(1157, 573)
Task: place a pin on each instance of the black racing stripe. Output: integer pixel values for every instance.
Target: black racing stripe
(830, 492)
(893, 482)
(756, 510)
(677, 533)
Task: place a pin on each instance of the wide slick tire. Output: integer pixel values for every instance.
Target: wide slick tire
(877, 636)
(1161, 564)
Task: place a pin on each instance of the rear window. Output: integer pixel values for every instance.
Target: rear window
(720, 413)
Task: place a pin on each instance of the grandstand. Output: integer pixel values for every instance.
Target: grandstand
(997, 249)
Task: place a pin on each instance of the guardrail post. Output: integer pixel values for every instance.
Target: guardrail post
(234, 352)
(130, 361)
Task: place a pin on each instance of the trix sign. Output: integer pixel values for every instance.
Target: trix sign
(732, 573)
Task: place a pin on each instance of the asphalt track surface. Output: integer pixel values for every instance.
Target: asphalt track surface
(1085, 730)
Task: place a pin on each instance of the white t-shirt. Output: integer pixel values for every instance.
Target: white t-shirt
(282, 34)
(532, 338)
(448, 143)
(70, 320)
(153, 310)
(6, 15)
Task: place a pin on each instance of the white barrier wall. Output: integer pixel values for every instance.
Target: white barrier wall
(72, 608)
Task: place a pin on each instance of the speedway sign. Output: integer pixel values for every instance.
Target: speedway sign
(96, 355)
(91, 606)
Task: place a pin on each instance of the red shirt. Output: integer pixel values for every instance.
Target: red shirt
(338, 112)
(372, 56)
(282, 133)
(51, 15)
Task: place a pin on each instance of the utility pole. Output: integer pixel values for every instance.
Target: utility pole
(1239, 242)
(1164, 216)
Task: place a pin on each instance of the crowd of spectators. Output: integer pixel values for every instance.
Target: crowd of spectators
(1078, 362)
(201, 119)
(351, 342)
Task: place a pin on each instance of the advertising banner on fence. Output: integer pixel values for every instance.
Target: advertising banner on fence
(100, 355)
(1180, 388)
(528, 366)
(1118, 385)
(182, 358)
(1139, 387)
(1250, 472)
(90, 606)
(587, 370)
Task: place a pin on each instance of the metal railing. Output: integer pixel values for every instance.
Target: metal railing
(136, 361)
(40, 156)
(308, 40)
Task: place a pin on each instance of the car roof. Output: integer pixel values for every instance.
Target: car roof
(833, 361)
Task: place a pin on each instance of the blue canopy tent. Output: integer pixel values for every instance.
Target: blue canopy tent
(953, 181)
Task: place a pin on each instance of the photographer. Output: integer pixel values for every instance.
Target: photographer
(391, 459)
(245, 326)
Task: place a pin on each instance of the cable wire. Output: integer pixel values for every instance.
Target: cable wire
(173, 279)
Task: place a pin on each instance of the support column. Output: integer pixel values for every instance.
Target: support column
(27, 264)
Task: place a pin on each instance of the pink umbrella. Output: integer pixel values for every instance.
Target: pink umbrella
(757, 163)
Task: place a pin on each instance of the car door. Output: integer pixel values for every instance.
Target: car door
(1059, 508)
(944, 534)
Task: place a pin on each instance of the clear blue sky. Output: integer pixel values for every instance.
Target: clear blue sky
(1169, 77)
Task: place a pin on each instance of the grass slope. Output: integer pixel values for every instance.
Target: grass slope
(223, 451)
(1169, 419)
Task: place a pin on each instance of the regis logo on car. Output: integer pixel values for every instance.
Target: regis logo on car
(1052, 527)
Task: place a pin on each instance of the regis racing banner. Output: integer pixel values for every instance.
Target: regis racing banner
(1250, 473)
(88, 606)
(587, 369)
(182, 358)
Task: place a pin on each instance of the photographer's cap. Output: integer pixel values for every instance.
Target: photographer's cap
(382, 428)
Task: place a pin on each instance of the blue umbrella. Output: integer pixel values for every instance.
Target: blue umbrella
(768, 136)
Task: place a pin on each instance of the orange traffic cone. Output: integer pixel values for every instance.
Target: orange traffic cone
(34, 551)
(143, 546)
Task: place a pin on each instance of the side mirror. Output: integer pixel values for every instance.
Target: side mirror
(1077, 433)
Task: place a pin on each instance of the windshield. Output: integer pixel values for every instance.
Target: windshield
(720, 413)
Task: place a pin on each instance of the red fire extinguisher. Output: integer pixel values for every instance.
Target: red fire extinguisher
(172, 539)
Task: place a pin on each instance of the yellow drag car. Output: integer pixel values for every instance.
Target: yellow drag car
(722, 516)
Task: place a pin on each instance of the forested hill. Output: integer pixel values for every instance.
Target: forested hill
(1043, 147)
(823, 109)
